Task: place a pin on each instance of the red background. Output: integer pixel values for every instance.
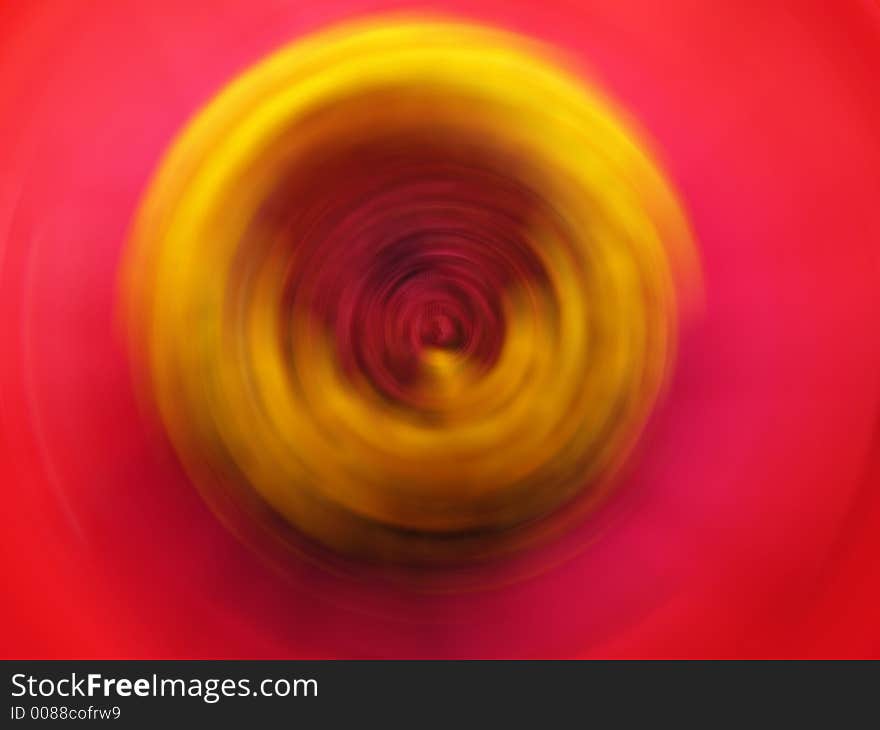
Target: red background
(749, 524)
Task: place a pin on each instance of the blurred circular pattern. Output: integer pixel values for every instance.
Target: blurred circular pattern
(408, 284)
(740, 517)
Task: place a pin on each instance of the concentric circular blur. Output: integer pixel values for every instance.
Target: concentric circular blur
(740, 517)
(409, 286)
